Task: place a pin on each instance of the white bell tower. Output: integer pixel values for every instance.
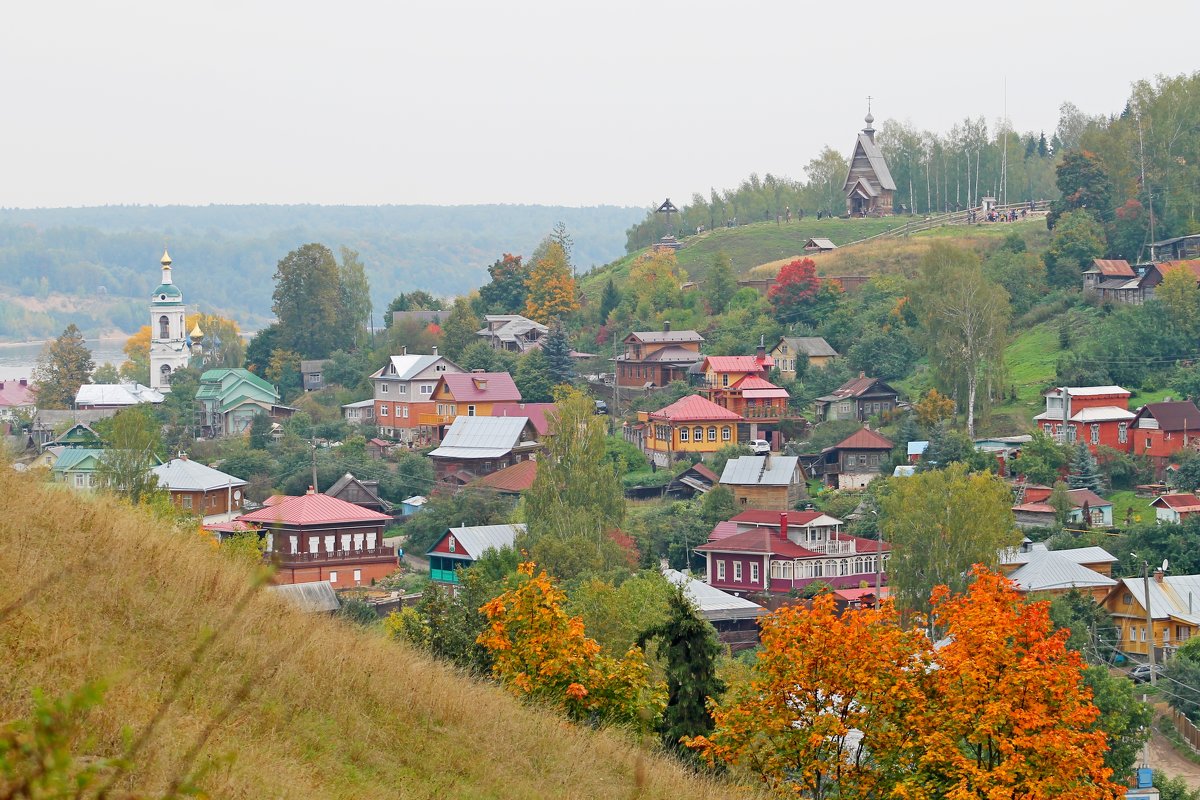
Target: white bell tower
(168, 336)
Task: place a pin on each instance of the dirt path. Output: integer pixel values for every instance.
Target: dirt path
(1164, 756)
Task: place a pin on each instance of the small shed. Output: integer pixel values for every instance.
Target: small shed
(818, 245)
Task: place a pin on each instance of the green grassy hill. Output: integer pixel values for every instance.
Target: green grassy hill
(330, 710)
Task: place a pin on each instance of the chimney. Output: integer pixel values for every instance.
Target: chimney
(24, 382)
(760, 353)
(404, 350)
(311, 490)
(783, 529)
(1158, 576)
(667, 326)
(477, 370)
(862, 374)
(434, 348)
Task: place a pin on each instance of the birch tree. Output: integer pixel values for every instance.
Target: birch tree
(965, 318)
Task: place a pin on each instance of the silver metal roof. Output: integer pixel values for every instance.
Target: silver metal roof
(116, 394)
(315, 597)
(1079, 555)
(1175, 596)
(475, 540)
(760, 470)
(185, 475)
(713, 603)
(481, 437)
(1052, 570)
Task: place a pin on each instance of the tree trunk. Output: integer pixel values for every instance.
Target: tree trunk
(972, 385)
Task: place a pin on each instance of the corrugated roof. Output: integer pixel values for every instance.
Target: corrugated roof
(1112, 268)
(496, 435)
(1174, 596)
(74, 456)
(767, 540)
(1102, 414)
(856, 387)
(16, 393)
(760, 471)
(185, 475)
(312, 509)
(514, 479)
(755, 516)
(1087, 391)
(820, 244)
(408, 367)
(1178, 502)
(469, 386)
(864, 439)
(538, 413)
(694, 408)
(1192, 265)
(756, 382)
(713, 603)
(116, 394)
(314, 597)
(475, 540)
(1052, 570)
(660, 337)
(811, 346)
(1081, 496)
(1080, 555)
(733, 364)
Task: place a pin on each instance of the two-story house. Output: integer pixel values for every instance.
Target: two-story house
(229, 400)
(859, 399)
(739, 384)
(790, 350)
(778, 551)
(655, 358)
(1098, 415)
(692, 426)
(1171, 607)
(1160, 430)
(315, 537)
(478, 446)
(473, 394)
(512, 332)
(404, 390)
(765, 481)
(855, 461)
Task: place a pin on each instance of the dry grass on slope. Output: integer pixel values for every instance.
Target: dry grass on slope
(332, 711)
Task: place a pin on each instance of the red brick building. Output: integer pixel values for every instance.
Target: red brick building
(1097, 415)
(315, 537)
(1160, 430)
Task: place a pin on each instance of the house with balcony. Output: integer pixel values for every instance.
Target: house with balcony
(512, 332)
(792, 350)
(1161, 430)
(855, 461)
(404, 390)
(228, 400)
(739, 383)
(656, 358)
(315, 537)
(478, 446)
(859, 399)
(469, 394)
(778, 551)
(765, 482)
(1098, 415)
(691, 426)
(209, 493)
(459, 548)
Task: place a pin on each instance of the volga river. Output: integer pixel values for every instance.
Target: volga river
(18, 360)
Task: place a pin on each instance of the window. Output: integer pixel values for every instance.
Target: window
(720, 570)
(1048, 428)
(1095, 433)
(754, 572)
(358, 576)
(80, 480)
(383, 409)
(404, 412)
(426, 388)
(295, 542)
(737, 571)
(345, 541)
(1147, 442)
(845, 409)
(164, 328)
(383, 388)
(187, 501)
(314, 545)
(683, 434)
(725, 433)
(697, 434)
(450, 543)
(333, 576)
(402, 388)
(1122, 432)
(330, 541)
(724, 378)
(1132, 634)
(440, 368)
(470, 411)
(712, 433)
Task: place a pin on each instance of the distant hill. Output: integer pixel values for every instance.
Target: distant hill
(332, 711)
(225, 255)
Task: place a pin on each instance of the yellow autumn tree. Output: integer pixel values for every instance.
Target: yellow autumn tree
(933, 408)
(551, 289)
(655, 280)
(541, 652)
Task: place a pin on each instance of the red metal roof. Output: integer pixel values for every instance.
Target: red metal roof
(1193, 265)
(536, 412)
(760, 517)
(723, 530)
(864, 439)
(1114, 268)
(769, 541)
(514, 479)
(477, 386)
(694, 408)
(312, 509)
(753, 382)
(1178, 502)
(738, 363)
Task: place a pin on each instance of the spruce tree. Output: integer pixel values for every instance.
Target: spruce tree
(720, 284)
(558, 354)
(690, 647)
(1085, 473)
(609, 300)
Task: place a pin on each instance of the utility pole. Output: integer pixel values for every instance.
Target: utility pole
(1149, 618)
(314, 465)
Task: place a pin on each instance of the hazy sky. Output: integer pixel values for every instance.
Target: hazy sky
(522, 102)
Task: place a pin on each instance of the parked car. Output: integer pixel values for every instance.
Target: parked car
(601, 407)
(760, 447)
(1141, 673)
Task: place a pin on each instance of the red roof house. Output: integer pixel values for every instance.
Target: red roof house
(1175, 507)
(690, 426)
(855, 461)
(510, 480)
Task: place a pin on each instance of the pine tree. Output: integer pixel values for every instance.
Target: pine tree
(720, 284)
(690, 647)
(64, 366)
(557, 349)
(609, 300)
(1085, 473)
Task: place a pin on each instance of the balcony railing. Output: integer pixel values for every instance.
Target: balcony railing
(830, 548)
(435, 419)
(338, 556)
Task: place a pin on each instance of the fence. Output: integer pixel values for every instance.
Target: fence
(1187, 729)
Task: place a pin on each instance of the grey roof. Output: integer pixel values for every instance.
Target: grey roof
(1175, 596)
(810, 346)
(760, 470)
(1052, 570)
(407, 367)
(1079, 555)
(713, 603)
(360, 404)
(822, 243)
(481, 437)
(315, 597)
(116, 394)
(185, 475)
(478, 539)
(314, 365)
(659, 337)
(878, 164)
(52, 417)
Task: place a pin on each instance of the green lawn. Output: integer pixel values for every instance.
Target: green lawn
(1125, 500)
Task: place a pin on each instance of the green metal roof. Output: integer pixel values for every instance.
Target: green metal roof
(73, 458)
(170, 291)
(230, 385)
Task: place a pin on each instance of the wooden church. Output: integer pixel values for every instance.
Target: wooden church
(869, 186)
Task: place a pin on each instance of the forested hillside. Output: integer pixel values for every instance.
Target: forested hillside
(95, 266)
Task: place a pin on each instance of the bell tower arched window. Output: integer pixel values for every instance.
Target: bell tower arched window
(164, 327)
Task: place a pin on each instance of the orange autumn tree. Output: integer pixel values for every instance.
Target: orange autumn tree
(551, 288)
(1008, 714)
(825, 713)
(540, 652)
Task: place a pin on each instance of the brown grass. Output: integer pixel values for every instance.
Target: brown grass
(333, 711)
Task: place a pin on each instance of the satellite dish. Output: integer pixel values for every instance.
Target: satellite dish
(1164, 566)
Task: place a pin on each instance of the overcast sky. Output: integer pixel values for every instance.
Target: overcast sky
(522, 102)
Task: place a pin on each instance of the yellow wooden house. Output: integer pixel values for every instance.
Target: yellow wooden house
(1174, 612)
(692, 425)
(470, 394)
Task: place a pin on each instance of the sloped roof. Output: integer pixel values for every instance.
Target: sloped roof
(72, 457)
(514, 325)
(1052, 571)
(313, 597)
(875, 157)
(671, 354)
(408, 367)
(312, 509)
(1177, 502)
(663, 337)
(476, 540)
(314, 365)
(185, 475)
(767, 540)
(817, 243)
(1168, 597)
(1192, 265)
(1081, 496)
(116, 394)
(811, 346)
(219, 376)
(16, 393)
(757, 516)
(713, 603)
(703, 471)
(694, 408)
(1173, 415)
(855, 387)
(1079, 555)
(1112, 268)
(538, 413)
(510, 480)
(760, 471)
(1102, 414)
(368, 403)
(468, 386)
(863, 439)
(733, 364)
(1086, 391)
(481, 437)
(370, 488)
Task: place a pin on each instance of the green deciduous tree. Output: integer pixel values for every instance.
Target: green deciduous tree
(309, 302)
(939, 524)
(505, 293)
(534, 379)
(356, 297)
(459, 330)
(134, 449)
(1078, 239)
(64, 365)
(1041, 459)
(720, 283)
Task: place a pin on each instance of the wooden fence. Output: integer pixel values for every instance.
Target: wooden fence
(1187, 729)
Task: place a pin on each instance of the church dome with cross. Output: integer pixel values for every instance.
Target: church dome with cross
(169, 349)
(167, 292)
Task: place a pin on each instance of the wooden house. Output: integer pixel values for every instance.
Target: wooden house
(789, 351)
(1175, 507)
(474, 394)
(360, 413)
(17, 398)
(819, 245)
(734, 618)
(738, 383)
(1174, 612)
(859, 399)
(312, 373)
(404, 391)
(209, 493)
(364, 494)
(512, 332)
(1036, 512)
(656, 358)
(315, 537)
(478, 446)
(1034, 569)
(690, 426)
(511, 480)
(765, 482)
(868, 186)
(78, 467)
(1176, 249)
(459, 548)
(230, 399)
(115, 396)
(855, 461)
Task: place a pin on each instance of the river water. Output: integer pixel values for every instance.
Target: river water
(18, 360)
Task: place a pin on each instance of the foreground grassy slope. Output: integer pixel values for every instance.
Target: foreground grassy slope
(332, 711)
